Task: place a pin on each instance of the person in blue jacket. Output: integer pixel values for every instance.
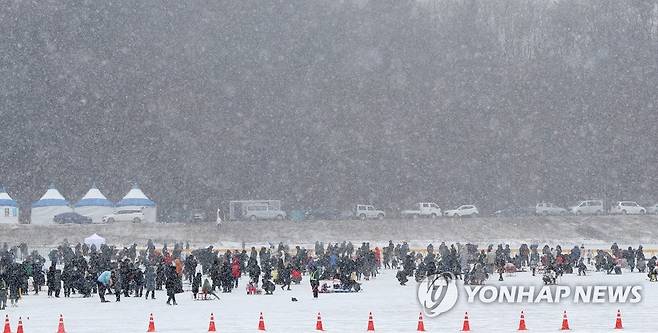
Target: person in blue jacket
(103, 282)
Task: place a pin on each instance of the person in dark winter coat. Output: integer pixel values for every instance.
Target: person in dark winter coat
(226, 277)
(161, 276)
(51, 280)
(629, 255)
(138, 278)
(38, 280)
(269, 287)
(117, 283)
(254, 270)
(171, 284)
(126, 277)
(3, 294)
(67, 280)
(196, 284)
(149, 279)
(402, 277)
(190, 267)
(284, 275)
(56, 283)
(581, 267)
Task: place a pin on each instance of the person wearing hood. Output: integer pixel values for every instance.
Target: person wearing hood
(103, 282)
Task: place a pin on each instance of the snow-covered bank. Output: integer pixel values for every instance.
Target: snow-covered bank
(592, 231)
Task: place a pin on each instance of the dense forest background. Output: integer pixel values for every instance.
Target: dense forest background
(326, 103)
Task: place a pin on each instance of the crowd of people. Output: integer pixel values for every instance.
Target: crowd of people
(131, 272)
(475, 266)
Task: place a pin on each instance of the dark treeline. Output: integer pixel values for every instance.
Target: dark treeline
(497, 102)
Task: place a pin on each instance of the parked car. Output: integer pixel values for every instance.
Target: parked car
(515, 211)
(588, 207)
(364, 212)
(627, 207)
(264, 212)
(324, 214)
(126, 215)
(462, 211)
(71, 217)
(653, 209)
(547, 208)
(422, 209)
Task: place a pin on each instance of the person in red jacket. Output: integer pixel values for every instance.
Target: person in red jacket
(296, 276)
(235, 270)
(378, 257)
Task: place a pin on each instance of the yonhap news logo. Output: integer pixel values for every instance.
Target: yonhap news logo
(437, 294)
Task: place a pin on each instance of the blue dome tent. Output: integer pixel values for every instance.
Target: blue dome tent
(94, 205)
(136, 199)
(8, 208)
(50, 204)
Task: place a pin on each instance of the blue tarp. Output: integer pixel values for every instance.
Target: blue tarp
(94, 202)
(8, 203)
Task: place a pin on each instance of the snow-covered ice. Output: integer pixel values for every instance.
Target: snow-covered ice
(394, 308)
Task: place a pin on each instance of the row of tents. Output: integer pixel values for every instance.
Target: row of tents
(93, 204)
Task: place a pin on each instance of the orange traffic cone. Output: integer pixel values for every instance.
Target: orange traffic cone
(151, 327)
(19, 329)
(565, 322)
(421, 324)
(522, 322)
(211, 326)
(60, 327)
(7, 326)
(371, 323)
(261, 323)
(318, 323)
(466, 327)
(618, 325)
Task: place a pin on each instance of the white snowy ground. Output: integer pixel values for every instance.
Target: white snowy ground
(394, 308)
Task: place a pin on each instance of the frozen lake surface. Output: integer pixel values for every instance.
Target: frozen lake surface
(394, 308)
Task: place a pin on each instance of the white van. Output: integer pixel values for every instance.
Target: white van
(588, 207)
(363, 212)
(264, 212)
(547, 208)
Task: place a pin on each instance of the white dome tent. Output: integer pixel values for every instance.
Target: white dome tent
(136, 199)
(50, 204)
(8, 208)
(94, 205)
(95, 240)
